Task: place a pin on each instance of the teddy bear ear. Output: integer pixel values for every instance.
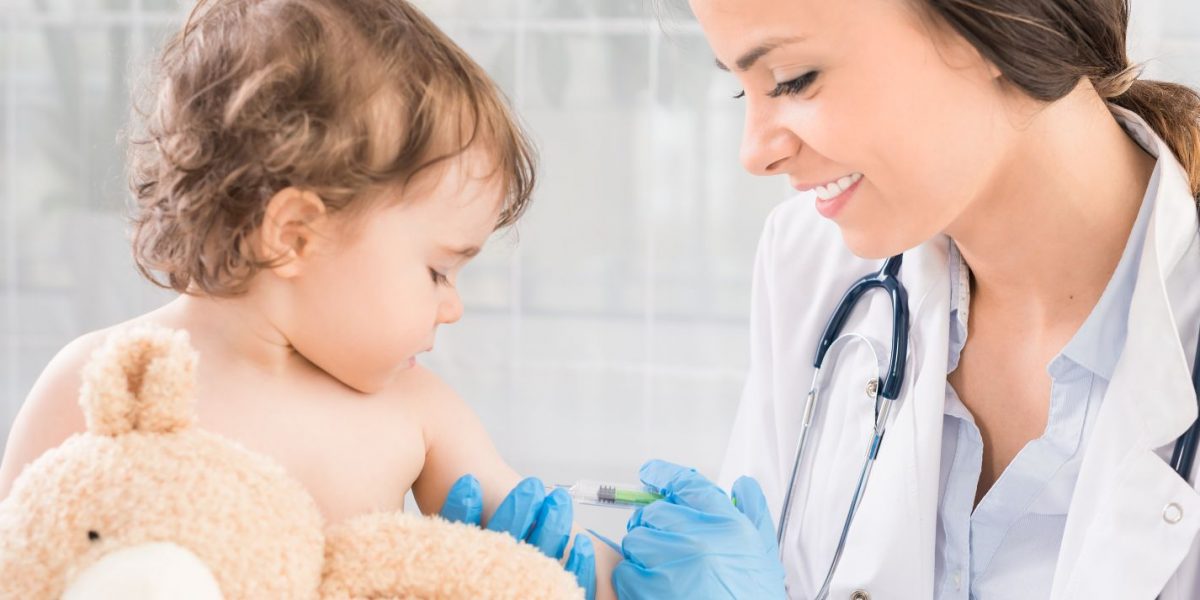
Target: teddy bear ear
(140, 379)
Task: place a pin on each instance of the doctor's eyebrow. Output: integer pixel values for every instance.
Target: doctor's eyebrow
(748, 59)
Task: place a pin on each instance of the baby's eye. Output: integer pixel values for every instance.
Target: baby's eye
(437, 277)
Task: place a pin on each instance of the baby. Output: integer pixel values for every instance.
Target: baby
(311, 178)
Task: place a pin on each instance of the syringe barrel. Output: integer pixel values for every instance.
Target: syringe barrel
(613, 494)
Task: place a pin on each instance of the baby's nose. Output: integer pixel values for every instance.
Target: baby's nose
(451, 309)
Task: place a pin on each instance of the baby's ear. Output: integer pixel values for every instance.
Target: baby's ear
(142, 379)
(293, 225)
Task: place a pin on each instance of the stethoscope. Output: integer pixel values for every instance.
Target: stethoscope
(889, 390)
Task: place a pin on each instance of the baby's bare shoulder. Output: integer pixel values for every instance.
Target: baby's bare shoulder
(51, 412)
(456, 442)
(54, 398)
(419, 380)
(426, 394)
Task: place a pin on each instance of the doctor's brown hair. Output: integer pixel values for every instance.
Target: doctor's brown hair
(1045, 47)
(344, 98)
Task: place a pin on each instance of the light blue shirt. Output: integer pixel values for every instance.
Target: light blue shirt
(1008, 546)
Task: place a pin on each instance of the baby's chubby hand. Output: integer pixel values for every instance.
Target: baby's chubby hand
(532, 516)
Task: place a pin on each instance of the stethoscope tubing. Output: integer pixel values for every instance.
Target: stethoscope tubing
(885, 279)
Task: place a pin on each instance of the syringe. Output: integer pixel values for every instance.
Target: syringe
(609, 494)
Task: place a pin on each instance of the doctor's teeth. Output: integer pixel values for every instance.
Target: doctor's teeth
(835, 188)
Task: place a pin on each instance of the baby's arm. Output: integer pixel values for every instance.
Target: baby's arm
(51, 413)
(456, 444)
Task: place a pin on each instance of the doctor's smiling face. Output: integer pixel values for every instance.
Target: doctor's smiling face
(904, 117)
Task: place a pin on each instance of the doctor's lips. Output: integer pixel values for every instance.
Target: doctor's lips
(832, 195)
(829, 189)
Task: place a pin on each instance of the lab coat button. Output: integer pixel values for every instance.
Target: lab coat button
(872, 387)
(860, 595)
(1173, 513)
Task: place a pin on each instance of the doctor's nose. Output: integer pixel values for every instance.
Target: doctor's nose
(766, 147)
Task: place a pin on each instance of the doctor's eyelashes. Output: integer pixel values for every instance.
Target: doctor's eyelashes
(793, 86)
(786, 88)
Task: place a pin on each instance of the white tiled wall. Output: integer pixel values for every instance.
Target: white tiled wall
(609, 328)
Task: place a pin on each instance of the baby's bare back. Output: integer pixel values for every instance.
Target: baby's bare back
(356, 453)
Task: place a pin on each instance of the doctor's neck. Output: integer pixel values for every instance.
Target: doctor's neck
(1044, 238)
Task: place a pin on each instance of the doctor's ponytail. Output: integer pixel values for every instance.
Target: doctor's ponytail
(1173, 111)
(1044, 47)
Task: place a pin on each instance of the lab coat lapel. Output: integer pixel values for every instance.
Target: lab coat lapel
(929, 303)
(1132, 519)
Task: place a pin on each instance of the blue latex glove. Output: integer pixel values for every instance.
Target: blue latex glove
(695, 543)
(531, 516)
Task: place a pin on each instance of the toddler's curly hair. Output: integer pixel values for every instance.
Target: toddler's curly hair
(339, 97)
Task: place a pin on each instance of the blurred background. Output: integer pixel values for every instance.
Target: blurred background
(608, 328)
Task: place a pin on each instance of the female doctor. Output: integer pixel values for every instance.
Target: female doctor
(1035, 372)
(1044, 201)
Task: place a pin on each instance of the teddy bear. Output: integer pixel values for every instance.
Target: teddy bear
(146, 505)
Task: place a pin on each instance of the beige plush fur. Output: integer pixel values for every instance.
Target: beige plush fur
(144, 473)
(392, 555)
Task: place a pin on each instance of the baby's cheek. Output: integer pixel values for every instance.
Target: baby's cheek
(395, 335)
(413, 334)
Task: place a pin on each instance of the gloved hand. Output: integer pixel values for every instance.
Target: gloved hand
(698, 544)
(530, 516)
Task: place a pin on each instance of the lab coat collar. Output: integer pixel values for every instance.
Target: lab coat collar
(1121, 538)
(1153, 351)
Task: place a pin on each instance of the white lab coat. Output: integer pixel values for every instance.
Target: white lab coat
(1119, 542)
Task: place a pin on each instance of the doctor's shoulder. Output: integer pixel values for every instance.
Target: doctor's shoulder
(51, 412)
